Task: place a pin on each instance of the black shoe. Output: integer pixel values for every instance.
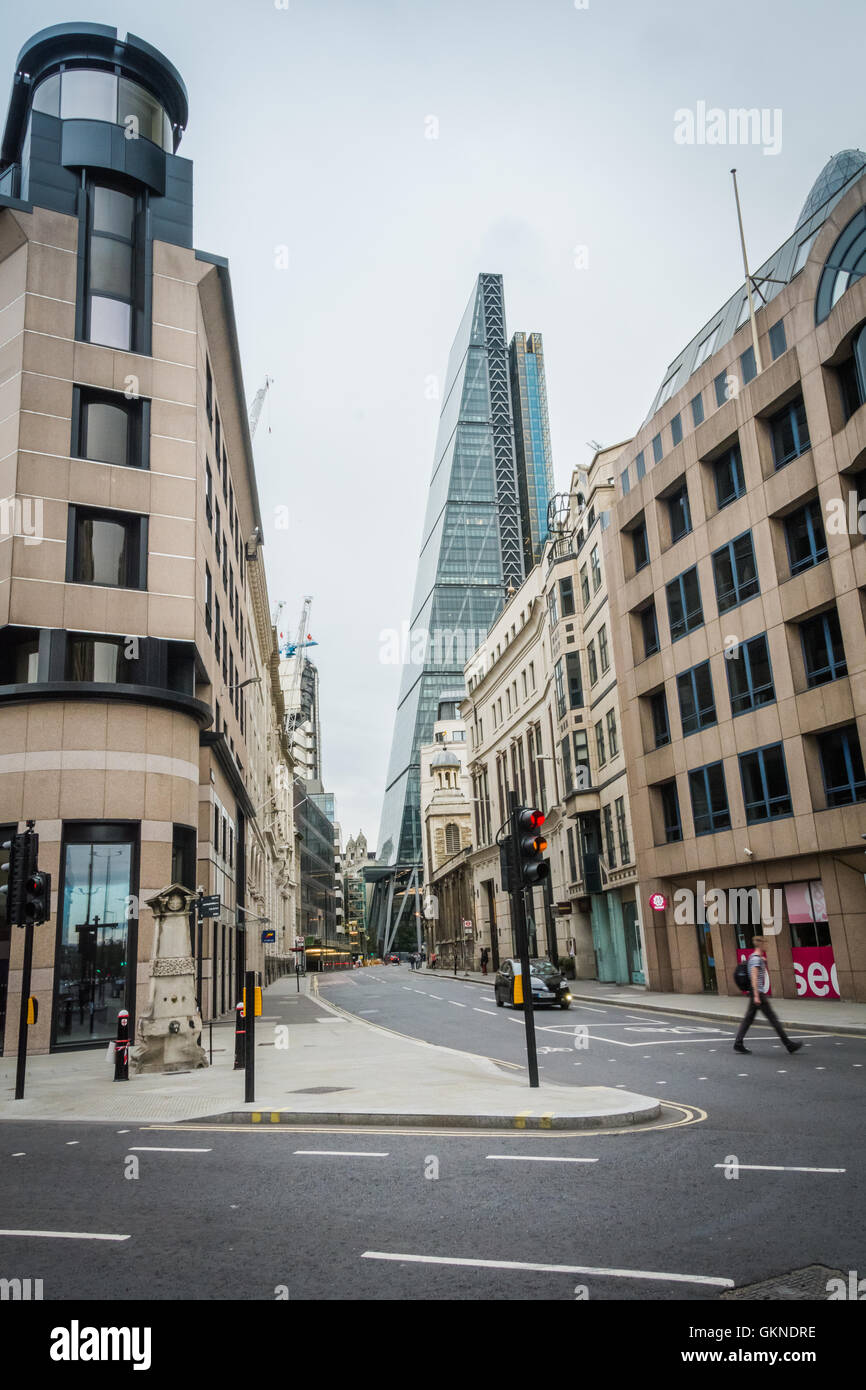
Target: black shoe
(738, 1047)
(794, 1047)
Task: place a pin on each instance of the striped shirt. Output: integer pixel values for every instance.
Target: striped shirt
(756, 959)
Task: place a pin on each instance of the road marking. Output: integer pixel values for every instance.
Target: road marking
(22, 1154)
(432, 996)
(551, 1269)
(408, 989)
(775, 1168)
(152, 1148)
(488, 1012)
(332, 1020)
(456, 1005)
(368, 1011)
(71, 1142)
(590, 1009)
(341, 1153)
(538, 1158)
(64, 1235)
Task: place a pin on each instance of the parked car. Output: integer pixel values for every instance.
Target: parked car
(549, 987)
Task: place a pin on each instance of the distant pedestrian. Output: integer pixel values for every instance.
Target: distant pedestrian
(484, 959)
(758, 984)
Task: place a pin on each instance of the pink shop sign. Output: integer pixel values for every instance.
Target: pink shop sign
(815, 972)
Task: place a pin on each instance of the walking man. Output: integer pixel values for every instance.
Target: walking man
(759, 983)
(484, 960)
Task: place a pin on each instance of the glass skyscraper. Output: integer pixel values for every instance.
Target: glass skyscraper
(471, 552)
(532, 441)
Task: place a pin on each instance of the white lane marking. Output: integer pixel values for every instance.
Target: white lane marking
(432, 996)
(775, 1168)
(591, 1009)
(64, 1235)
(71, 1142)
(22, 1154)
(551, 1269)
(154, 1149)
(488, 1012)
(703, 1078)
(341, 1153)
(408, 989)
(456, 1005)
(332, 1020)
(123, 1131)
(368, 1011)
(538, 1158)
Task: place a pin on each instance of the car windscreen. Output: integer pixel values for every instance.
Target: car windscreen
(543, 968)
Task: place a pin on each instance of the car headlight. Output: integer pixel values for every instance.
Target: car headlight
(566, 995)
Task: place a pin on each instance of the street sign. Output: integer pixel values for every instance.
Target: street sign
(269, 935)
(209, 905)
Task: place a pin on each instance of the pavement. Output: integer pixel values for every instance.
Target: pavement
(840, 1015)
(316, 1062)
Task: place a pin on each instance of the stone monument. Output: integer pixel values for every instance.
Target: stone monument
(168, 1037)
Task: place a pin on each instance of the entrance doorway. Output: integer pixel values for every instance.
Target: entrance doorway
(705, 955)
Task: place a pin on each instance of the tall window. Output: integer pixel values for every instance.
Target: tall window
(671, 822)
(842, 766)
(584, 585)
(581, 759)
(750, 677)
(612, 738)
(599, 744)
(592, 663)
(697, 705)
(112, 289)
(621, 830)
(640, 546)
(575, 683)
(697, 404)
(679, 514)
(729, 477)
(107, 548)
(765, 784)
(452, 839)
(96, 930)
(99, 659)
(661, 724)
(208, 599)
(823, 652)
(608, 836)
(650, 630)
(552, 607)
(595, 566)
(603, 654)
(676, 430)
(559, 681)
(709, 799)
(805, 538)
(684, 604)
(107, 428)
(566, 593)
(789, 432)
(735, 572)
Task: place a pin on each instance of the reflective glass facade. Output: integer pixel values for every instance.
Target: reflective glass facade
(470, 551)
(531, 441)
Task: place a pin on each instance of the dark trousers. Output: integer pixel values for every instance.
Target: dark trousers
(769, 1014)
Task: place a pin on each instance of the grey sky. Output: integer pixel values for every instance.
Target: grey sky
(555, 130)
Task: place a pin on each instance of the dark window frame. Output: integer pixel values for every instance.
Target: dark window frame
(136, 558)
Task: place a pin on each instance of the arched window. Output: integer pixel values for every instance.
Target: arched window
(452, 838)
(845, 265)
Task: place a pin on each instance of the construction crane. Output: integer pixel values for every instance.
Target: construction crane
(256, 407)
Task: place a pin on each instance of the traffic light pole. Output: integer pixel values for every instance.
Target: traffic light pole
(518, 908)
(22, 1017)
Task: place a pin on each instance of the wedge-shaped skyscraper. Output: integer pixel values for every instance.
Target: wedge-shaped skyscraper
(471, 551)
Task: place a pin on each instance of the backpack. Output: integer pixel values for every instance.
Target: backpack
(741, 975)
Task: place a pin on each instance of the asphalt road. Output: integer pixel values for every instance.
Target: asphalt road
(647, 1215)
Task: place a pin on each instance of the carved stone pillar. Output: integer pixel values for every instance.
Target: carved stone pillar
(168, 1036)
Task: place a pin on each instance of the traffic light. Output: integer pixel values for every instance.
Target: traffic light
(37, 899)
(531, 845)
(23, 852)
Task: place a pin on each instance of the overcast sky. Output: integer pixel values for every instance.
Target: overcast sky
(309, 130)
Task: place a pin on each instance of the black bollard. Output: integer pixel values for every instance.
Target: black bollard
(240, 1038)
(121, 1047)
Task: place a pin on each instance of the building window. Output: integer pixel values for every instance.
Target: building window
(621, 830)
(603, 654)
(706, 347)
(842, 766)
(640, 546)
(697, 705)
(676, 430)
(208, 397)
(730, 482)
(184, 847)
(112, 294)
(208, 599)
(584, 585)
(650, 630)
(626, 485)
(581, 759)
(99, 659)
(19, 656)
(567, 779)
(720, 383)
(778, 344)
(709, 799)
(552, 607)
(599, 744)
(96, 929)
(697, 405)
(559, 682)
(805, 538)
(661, 724)
(452, 839)
(608, 836)
(612, 737)
(575, 682)
(684, 604)
(107, 428)
(748, 369)
(106, 548)
(595, 566)
(208, 496)
(789, 432)
(750, 676)
(823, 652)
(640, 466)
(566, 594)
(765, 784)
(679, 514)
(593, 664)
(657, 448)
(735, 572)
(670, 812)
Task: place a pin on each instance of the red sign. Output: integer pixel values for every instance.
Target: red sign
(815, 972)
(658, 902)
